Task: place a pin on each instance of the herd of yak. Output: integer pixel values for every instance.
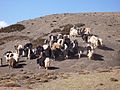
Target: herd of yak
(56, 47)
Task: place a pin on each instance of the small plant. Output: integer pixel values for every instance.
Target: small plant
(66, 28)
(110, 25)
(79, 24)
(54, 21)
(12, 28)
(1, 43)
(46, 34)
(51, 25)
(55, 30)
(32, 23)
(38, 41)
(11, 84)
(12, 38)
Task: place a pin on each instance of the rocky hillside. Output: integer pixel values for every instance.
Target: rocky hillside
(105, 25)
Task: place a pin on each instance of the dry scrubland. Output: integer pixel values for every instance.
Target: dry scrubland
(101, 73)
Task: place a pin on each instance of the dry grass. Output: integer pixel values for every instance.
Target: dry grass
(30, 81)
(11, 84)
(26, 79)
(51, 25)
(38, 41)
(12, 28)
(28, 87)
(12, 38)
(54, 21)
(1, 43)
(56, 30)
(79, 24)
(114, 79)
(83, 72)
(46, 34)
(66, 28)
(101, 70)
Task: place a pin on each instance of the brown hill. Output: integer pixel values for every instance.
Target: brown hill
(105, 25)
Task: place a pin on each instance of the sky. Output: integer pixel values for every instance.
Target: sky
(13, 11)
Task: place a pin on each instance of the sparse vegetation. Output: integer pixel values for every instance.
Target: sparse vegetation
(32, 23)
(80, 24)
(12, 38)
(1, 43)
(118, 40)
(110, 25)
(11, 84)
(103, 70)
(54, 21)
(51, 25)
(28, 32)
(12, 28)
(27, 79)
(46, 34)
(66, 28)
(114, 79)
(55, 30)
(38, 41)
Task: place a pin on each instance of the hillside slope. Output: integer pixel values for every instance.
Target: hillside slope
(105, 25)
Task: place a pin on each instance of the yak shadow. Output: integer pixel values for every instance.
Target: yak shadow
(53, 68)
(73, 57)
(4, 65)
(83, 56)
(60, 58)
(97, 57)
(106, 48)
(22, 61)
(20, 65)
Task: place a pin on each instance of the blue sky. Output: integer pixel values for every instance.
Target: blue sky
(13, 11)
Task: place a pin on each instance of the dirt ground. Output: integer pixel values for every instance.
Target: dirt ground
(101, 73)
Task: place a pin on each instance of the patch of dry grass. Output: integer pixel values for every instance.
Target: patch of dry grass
(28, 79)
(55, 30)
(1, 43)
(113, 79)
(12, 28)
(79, 24)
(46, 34)
(11, 84)
(38, 41)
(66, 28)
(12, 38)
(101, 70)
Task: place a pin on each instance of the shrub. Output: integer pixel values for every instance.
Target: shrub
(54, 21)
(52, 25)
(55, 30)
(1, 43)
(11, 84)
(12, 38)
(110, 25)
(12, 28)
(38, 41)
(66, 28)
(46, 34)
(80, 24)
